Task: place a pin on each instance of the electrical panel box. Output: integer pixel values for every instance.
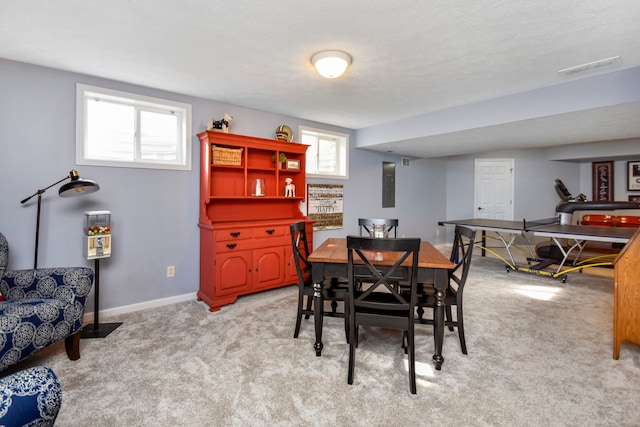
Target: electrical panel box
(97, 234)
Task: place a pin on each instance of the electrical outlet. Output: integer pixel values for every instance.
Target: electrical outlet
(437, 232)
(171, 271)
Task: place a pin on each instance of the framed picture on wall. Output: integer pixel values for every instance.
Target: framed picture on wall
(634, 199)
(602, 181)
(633, 176)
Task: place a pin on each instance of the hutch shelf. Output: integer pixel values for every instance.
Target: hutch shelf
(245, 245)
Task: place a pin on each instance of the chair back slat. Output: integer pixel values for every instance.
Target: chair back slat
(461, 253)
(300, 249)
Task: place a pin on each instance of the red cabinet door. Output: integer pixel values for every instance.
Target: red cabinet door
(269, 267)
(233, 272)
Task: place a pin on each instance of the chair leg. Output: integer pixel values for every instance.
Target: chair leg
(463, 343)
(356, 336)
(449, 321)
(412, 361)
(309, 301)
(346, 321)
(352, 352)
(299, 315)
(72, 345)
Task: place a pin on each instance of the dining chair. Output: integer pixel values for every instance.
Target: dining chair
(334, 289)
(463, 242)
(374, 299)
(379, 227)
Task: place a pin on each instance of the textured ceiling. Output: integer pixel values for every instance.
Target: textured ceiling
(410, 57)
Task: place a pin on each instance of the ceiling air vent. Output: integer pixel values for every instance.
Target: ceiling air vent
(591, 66)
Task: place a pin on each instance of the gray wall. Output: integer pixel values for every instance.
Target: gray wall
(534, 180)
(419, 195)
(620, 151)
(620, 191)
(154, 212)
(535, 174)
(593, 92)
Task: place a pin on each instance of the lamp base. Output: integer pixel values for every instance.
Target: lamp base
(101, 331)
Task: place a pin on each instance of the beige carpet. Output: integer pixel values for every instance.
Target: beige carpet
(540, 353)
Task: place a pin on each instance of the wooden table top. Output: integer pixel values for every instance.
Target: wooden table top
(334, 250)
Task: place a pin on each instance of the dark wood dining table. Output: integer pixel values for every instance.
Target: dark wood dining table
(330, 261)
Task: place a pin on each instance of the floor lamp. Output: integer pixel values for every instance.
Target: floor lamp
(76, 187)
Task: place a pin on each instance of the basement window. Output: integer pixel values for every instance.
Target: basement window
(328, 154)
(123, 129)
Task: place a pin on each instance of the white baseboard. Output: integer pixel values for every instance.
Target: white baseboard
(88, 317)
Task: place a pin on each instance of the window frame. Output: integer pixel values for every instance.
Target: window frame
(139, 103)
(327, 133)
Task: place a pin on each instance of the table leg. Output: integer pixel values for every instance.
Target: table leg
(438, 316)
(580, 244)
(318, 304)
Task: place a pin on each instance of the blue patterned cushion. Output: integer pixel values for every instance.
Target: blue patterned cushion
(30, 398)
(30, 325)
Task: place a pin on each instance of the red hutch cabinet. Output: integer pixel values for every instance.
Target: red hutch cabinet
(245, 245)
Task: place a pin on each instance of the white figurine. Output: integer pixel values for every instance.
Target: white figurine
(290, 188)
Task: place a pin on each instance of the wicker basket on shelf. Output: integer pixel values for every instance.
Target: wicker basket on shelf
(226, 156)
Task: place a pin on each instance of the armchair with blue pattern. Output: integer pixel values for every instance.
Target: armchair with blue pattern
(41, 306)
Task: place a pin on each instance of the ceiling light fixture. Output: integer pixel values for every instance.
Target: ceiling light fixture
(607, 62)
(331, 63)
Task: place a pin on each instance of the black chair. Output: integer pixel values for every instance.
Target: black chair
(461, 253)
(334, 290)
(373, 296)
(370, 227)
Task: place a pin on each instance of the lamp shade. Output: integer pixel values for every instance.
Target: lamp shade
(331, 63)
(77, 186)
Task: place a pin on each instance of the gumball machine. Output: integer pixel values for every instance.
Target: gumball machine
(97, 245)
(97, 230)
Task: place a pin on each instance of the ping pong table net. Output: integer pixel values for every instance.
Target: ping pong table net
(528, 225)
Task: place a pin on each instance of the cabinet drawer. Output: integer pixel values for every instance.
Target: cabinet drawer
(270, 231)
(242, 233)
(247, 244)
(233, 234)
(235, 245)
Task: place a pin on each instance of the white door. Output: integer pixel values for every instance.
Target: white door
(494, 188)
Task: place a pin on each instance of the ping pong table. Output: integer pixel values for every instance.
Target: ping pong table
(507, 231)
